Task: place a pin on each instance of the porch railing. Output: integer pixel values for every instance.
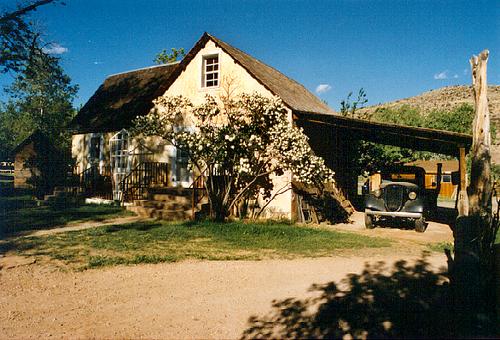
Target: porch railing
(135, 184)
(93, 183)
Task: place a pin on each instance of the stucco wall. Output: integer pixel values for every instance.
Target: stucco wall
(235, 80)
(153, 149)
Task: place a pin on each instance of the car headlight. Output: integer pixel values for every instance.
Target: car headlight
(412, 195)
(377, 193)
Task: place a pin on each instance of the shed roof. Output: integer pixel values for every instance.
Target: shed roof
(122, 97)
(417, 138)
(37, 137)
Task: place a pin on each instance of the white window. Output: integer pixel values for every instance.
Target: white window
(181, 166)
(95, 148)
(210, 70)
(120, 160)
(95, 154)
(446, 178)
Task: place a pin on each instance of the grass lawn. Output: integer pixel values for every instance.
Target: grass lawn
(155, 241)
(441, 246)
(19, 213)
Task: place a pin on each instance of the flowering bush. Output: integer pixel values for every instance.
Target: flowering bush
(238, 143)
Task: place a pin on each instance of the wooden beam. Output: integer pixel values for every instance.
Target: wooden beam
(394, 136)
(463, 200)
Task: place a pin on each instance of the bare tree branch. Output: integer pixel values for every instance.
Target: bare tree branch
(24, 10)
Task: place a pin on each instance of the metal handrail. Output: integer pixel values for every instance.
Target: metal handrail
(146, 173)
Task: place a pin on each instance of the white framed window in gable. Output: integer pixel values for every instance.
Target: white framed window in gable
(210, 71)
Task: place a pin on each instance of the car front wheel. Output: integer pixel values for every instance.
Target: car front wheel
(420, 225)
(369, 221)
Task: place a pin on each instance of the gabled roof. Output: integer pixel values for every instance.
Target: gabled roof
(122, 97)
(40, 140)
(293, 94)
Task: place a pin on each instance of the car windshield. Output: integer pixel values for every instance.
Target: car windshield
(398, 177)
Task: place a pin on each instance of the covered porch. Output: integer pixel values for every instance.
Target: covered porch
(333, 137)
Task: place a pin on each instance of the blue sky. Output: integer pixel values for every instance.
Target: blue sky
(393, 49)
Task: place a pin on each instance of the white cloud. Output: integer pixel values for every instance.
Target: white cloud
(322, 88)
(466, 71)
(54, 48)
(455, 76)
(441, 75)
(98, 62)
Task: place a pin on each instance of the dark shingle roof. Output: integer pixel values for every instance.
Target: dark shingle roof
(122, 97)
(40, 140)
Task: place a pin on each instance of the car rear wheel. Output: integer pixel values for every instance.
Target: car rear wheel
(369, 221)
(420, 225)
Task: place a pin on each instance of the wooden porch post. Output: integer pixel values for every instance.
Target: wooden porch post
(463, 200)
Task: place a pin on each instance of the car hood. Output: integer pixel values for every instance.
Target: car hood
(408, 185)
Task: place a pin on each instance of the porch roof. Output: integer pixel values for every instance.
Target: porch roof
(417, 138)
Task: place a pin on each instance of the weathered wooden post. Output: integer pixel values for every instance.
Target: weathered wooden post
(463, 200)
(480, 185)
(471, 273)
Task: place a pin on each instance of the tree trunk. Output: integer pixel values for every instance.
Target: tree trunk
(480, 185)
(471, 270)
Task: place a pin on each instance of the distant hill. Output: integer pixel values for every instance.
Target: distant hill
(446, 98)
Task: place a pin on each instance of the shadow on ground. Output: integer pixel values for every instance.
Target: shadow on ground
(407, 301)
(14, 222)
(441, 215)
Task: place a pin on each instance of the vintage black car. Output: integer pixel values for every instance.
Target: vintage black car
(401, 195)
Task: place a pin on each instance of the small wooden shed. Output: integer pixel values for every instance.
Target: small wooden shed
(35, 144)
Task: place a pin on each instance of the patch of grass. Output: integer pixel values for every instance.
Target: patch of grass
(440, 247)
(13, 220)
(153, 242)
(11, 203)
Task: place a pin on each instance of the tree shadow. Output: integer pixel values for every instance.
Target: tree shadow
(140, 226)
(407, 301)
(27, 218)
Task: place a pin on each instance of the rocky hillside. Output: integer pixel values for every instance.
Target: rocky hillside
(446, 98)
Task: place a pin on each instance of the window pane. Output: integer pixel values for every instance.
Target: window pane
(446, 178)
(211, 70)
(181, 168)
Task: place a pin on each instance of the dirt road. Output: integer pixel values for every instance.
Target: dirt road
(192, 299)
(180, 300)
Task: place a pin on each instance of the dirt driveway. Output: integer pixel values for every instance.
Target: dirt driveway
(191, 299)
(435, 233)
(180, 300)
